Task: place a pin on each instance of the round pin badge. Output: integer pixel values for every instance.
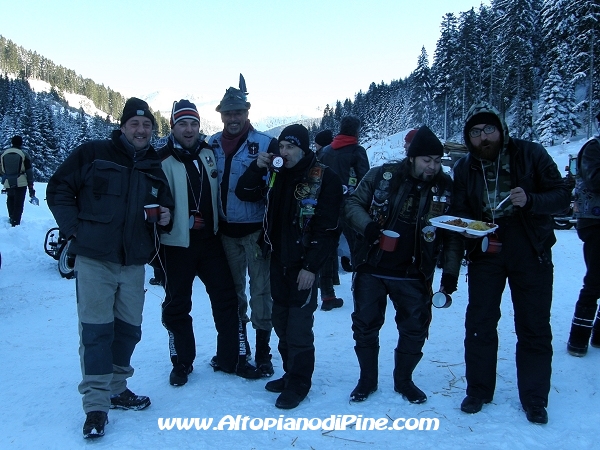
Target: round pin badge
(387, 175)
(428, 233)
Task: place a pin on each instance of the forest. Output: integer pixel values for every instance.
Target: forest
(534, 60)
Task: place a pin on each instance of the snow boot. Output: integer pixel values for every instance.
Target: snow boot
(128, 400)
(368, 360)
(404, 365)
(94, 424)
(331, 302)
(263, 353)
(179, 374)
(581, 329)
(276, 385)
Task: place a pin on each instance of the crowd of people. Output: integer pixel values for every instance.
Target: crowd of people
(242, 205)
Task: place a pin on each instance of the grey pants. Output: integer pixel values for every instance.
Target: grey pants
(244, 254)
(110, 300)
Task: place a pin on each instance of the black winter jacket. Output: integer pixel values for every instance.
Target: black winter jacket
(532, 169)
(296, 248)
(357, 215)
(342, 159)
(98, 195)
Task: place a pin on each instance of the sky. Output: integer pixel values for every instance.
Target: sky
(296, 56)
(40, 367)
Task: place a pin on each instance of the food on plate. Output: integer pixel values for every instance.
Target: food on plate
(457, 223)
(480, 226)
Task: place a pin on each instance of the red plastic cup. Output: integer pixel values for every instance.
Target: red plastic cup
(491, 244)
(152, 213)
(388, 240)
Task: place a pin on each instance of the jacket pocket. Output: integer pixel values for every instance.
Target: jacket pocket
(107, 179)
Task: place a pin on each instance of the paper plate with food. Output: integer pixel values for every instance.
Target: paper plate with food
(474, 227)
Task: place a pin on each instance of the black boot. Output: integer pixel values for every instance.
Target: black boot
(263, 353)
(368, 360)
(404, 366)
(595, 341)
(246, 370)
(581, 328)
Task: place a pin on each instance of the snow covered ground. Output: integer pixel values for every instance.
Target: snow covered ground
(40, 369)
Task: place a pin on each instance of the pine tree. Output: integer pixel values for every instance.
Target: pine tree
(421, 92)
(554, 121)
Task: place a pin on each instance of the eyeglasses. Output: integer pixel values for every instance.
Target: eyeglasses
(476, 132)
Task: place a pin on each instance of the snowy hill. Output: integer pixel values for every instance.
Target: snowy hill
(74, 100)
(42, 408)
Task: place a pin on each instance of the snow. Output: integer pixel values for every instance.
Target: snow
(40, 374)
(73, 100)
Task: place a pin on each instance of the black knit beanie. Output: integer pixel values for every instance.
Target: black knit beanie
(485, 118)
(136, 107)
(297, 135)
(324, 138)
(425, 143)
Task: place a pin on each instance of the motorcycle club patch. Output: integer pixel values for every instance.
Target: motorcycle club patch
(428, 233)
(253, 148)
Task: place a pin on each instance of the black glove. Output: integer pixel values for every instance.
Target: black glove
(449, 282)
(31, 190)
(372, 232)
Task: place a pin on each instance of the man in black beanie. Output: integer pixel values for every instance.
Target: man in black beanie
(498, 167)
(301, 229)
(16, 172)
(98, 197)
(400, 197)
(322, 139)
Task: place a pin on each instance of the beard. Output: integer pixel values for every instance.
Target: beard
(487, 150)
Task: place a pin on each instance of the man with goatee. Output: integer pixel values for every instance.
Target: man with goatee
(499, 166)
(193, 249)
(400, 197)
(240, 222)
